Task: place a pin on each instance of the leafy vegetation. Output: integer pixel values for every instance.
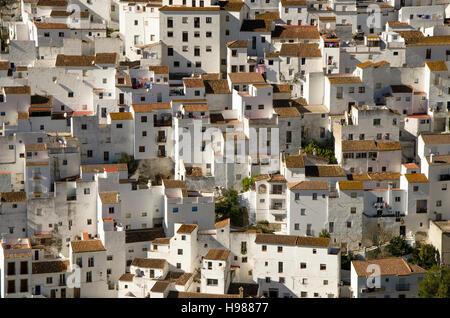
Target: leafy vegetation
(129, 160)
(263, 226)
(426, 256)
(325, 150)
(399, 247)
(346, 260)
(248, 183)
(324, 233)
(436, 283)
(229, 207)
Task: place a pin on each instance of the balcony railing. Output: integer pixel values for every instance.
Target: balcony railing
(162, 123)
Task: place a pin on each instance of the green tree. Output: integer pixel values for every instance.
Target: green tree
(324, 233)
(129, 160)
(325, 150)
(399, 247)
(425, 256)
(229, 208)
(346, 260)
(436, 283)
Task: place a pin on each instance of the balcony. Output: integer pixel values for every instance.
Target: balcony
(162, 123)
(161, 139)
(402, 287)
(373, 290)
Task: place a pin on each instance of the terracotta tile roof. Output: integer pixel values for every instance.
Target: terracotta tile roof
(17, 90)
(149, 108)
(126, 277)
(121, 116)
(238, 44)
(429, 41)
(327, 18)
(193, 82)
(143, 235)
(162, 241)
(416, 178)
(383, 176)
(19, 196)
(370, 145)
(194, 172)
(271, 16)
(325, 171)
(360, 177)
(291, 240)
(159, 69)
(436, 139)
(223, 223)
(410, 166)
(106, 58)
(160, 287)
(365, 64)
(401, 89)
(281, 88)
(262, 177)
(388, 266)
(52, 3)
(36, 147)
(50, 267)
(381, 63)
(294, 161)
(287, 112)
(4, 65)
(277, 178)
(350, 185)
(286, 3)
(183, 279)
(295, 32)
(174, 184)
(174, 8)
(274, 239)
(300, 50)
(109, 197)
(437, 66)
(308, 185)
(272, 54)
(244, 78)
(48, 26)
(411, 35)
(397, 23)
(149, 262)
(232, 5)
(217, 255)
(344, 79)
(219, 86)
(87, 246)
(36, 163)
(190, 108)
(101, 167)
(439, 160)
(187, 228)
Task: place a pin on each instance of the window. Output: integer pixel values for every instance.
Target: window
(280, 249)
(208, 20)
(352, 210)
(349, 224)
(170, 51)
(11, 269)
(428, 54)
(212, 282)
(264, 248)
(302, 265)
(90, 262)
(175, 210)
(438, 203)
(180, 251)
(267, 279)
(194, 209)
(49, 280)
(88, 277)
(415, 188)
(23, 268)
(314, 196)
(11, 286)
(70, 94)
(280, 267)
(377, 122)
(141, 148)
(323, 267)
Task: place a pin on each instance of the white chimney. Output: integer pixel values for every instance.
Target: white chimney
(300, 150)
(431, 158)
(389, 198)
